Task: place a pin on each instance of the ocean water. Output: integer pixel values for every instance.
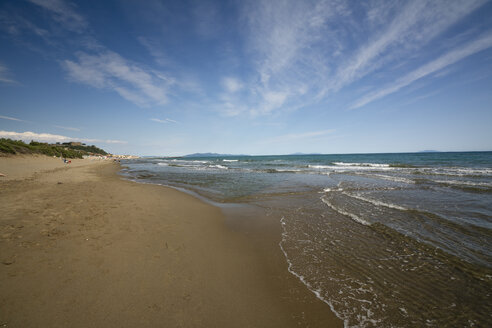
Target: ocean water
(385, 240)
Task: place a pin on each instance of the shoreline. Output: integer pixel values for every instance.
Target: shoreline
(80, 246)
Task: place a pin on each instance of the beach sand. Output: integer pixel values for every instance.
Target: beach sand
(80, 247)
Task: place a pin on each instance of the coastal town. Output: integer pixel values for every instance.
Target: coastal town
(94, 155)
(65, 150)
(110, 157)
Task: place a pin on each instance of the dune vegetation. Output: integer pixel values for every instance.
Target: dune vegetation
(66, 150)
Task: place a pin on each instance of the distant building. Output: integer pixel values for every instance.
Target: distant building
(72, 143)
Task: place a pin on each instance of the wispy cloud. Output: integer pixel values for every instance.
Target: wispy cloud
(445, 60)
(100, 67)
(287, 39)
(107, 141)
(5, 76)
(230, 106)
(56, 126)
(15, 25)
(164, 121)
(297, 53)
(47, 137)
(11, 118)
(232, 84)
(299, 136)
(108, 70)
(304, 51)
(417, 23)
(64, 13)
(155, 50)
(206, 19)
(68, 128)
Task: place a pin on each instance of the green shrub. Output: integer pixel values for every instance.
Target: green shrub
(6, 148)
(9, 146)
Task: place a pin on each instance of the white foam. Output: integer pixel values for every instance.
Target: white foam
(457, 171)
(472, 171)
(344, 314)
(181, 163)
(392, 178)
(376, 202)
(320, 166)
(189, 161)
(229, 160)
(350, 215)
(464, 183)
(218, 166)
(288, 170)
(316, 292)
(332, 189)
(187, 165)
(361, 164)
(350, 168)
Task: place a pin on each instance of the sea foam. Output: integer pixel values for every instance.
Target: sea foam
(376, 202)
(350, 215)
(361, 164)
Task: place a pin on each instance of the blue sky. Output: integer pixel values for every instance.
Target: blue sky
(256, 77)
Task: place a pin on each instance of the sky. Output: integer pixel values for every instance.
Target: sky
(169, 78)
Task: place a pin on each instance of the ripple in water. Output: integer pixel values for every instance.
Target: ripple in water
(373, 276)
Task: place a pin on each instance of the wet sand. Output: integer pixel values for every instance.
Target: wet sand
(80, 247)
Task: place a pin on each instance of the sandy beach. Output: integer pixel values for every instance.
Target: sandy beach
(81, 247)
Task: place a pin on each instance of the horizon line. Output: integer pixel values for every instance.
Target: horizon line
(324, 154)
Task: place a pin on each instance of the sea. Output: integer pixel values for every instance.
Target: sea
(385, 240)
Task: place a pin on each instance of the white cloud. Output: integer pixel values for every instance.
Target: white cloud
(105, 69)
(416, 24)
(47, 137)
(11, 118)
(107, 141)
(306, 51)
(56, 126)
(232, 84)
(109, 70)
(155, 50)
(445, 60)
(16, 25)
(282, 33)
(271, 100)
(290, 42)
(164, 121)
(230, 107)
(68, 128)
(299, 136)
(64, 13)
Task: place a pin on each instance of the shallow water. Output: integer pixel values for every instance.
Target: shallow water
(384, 239)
